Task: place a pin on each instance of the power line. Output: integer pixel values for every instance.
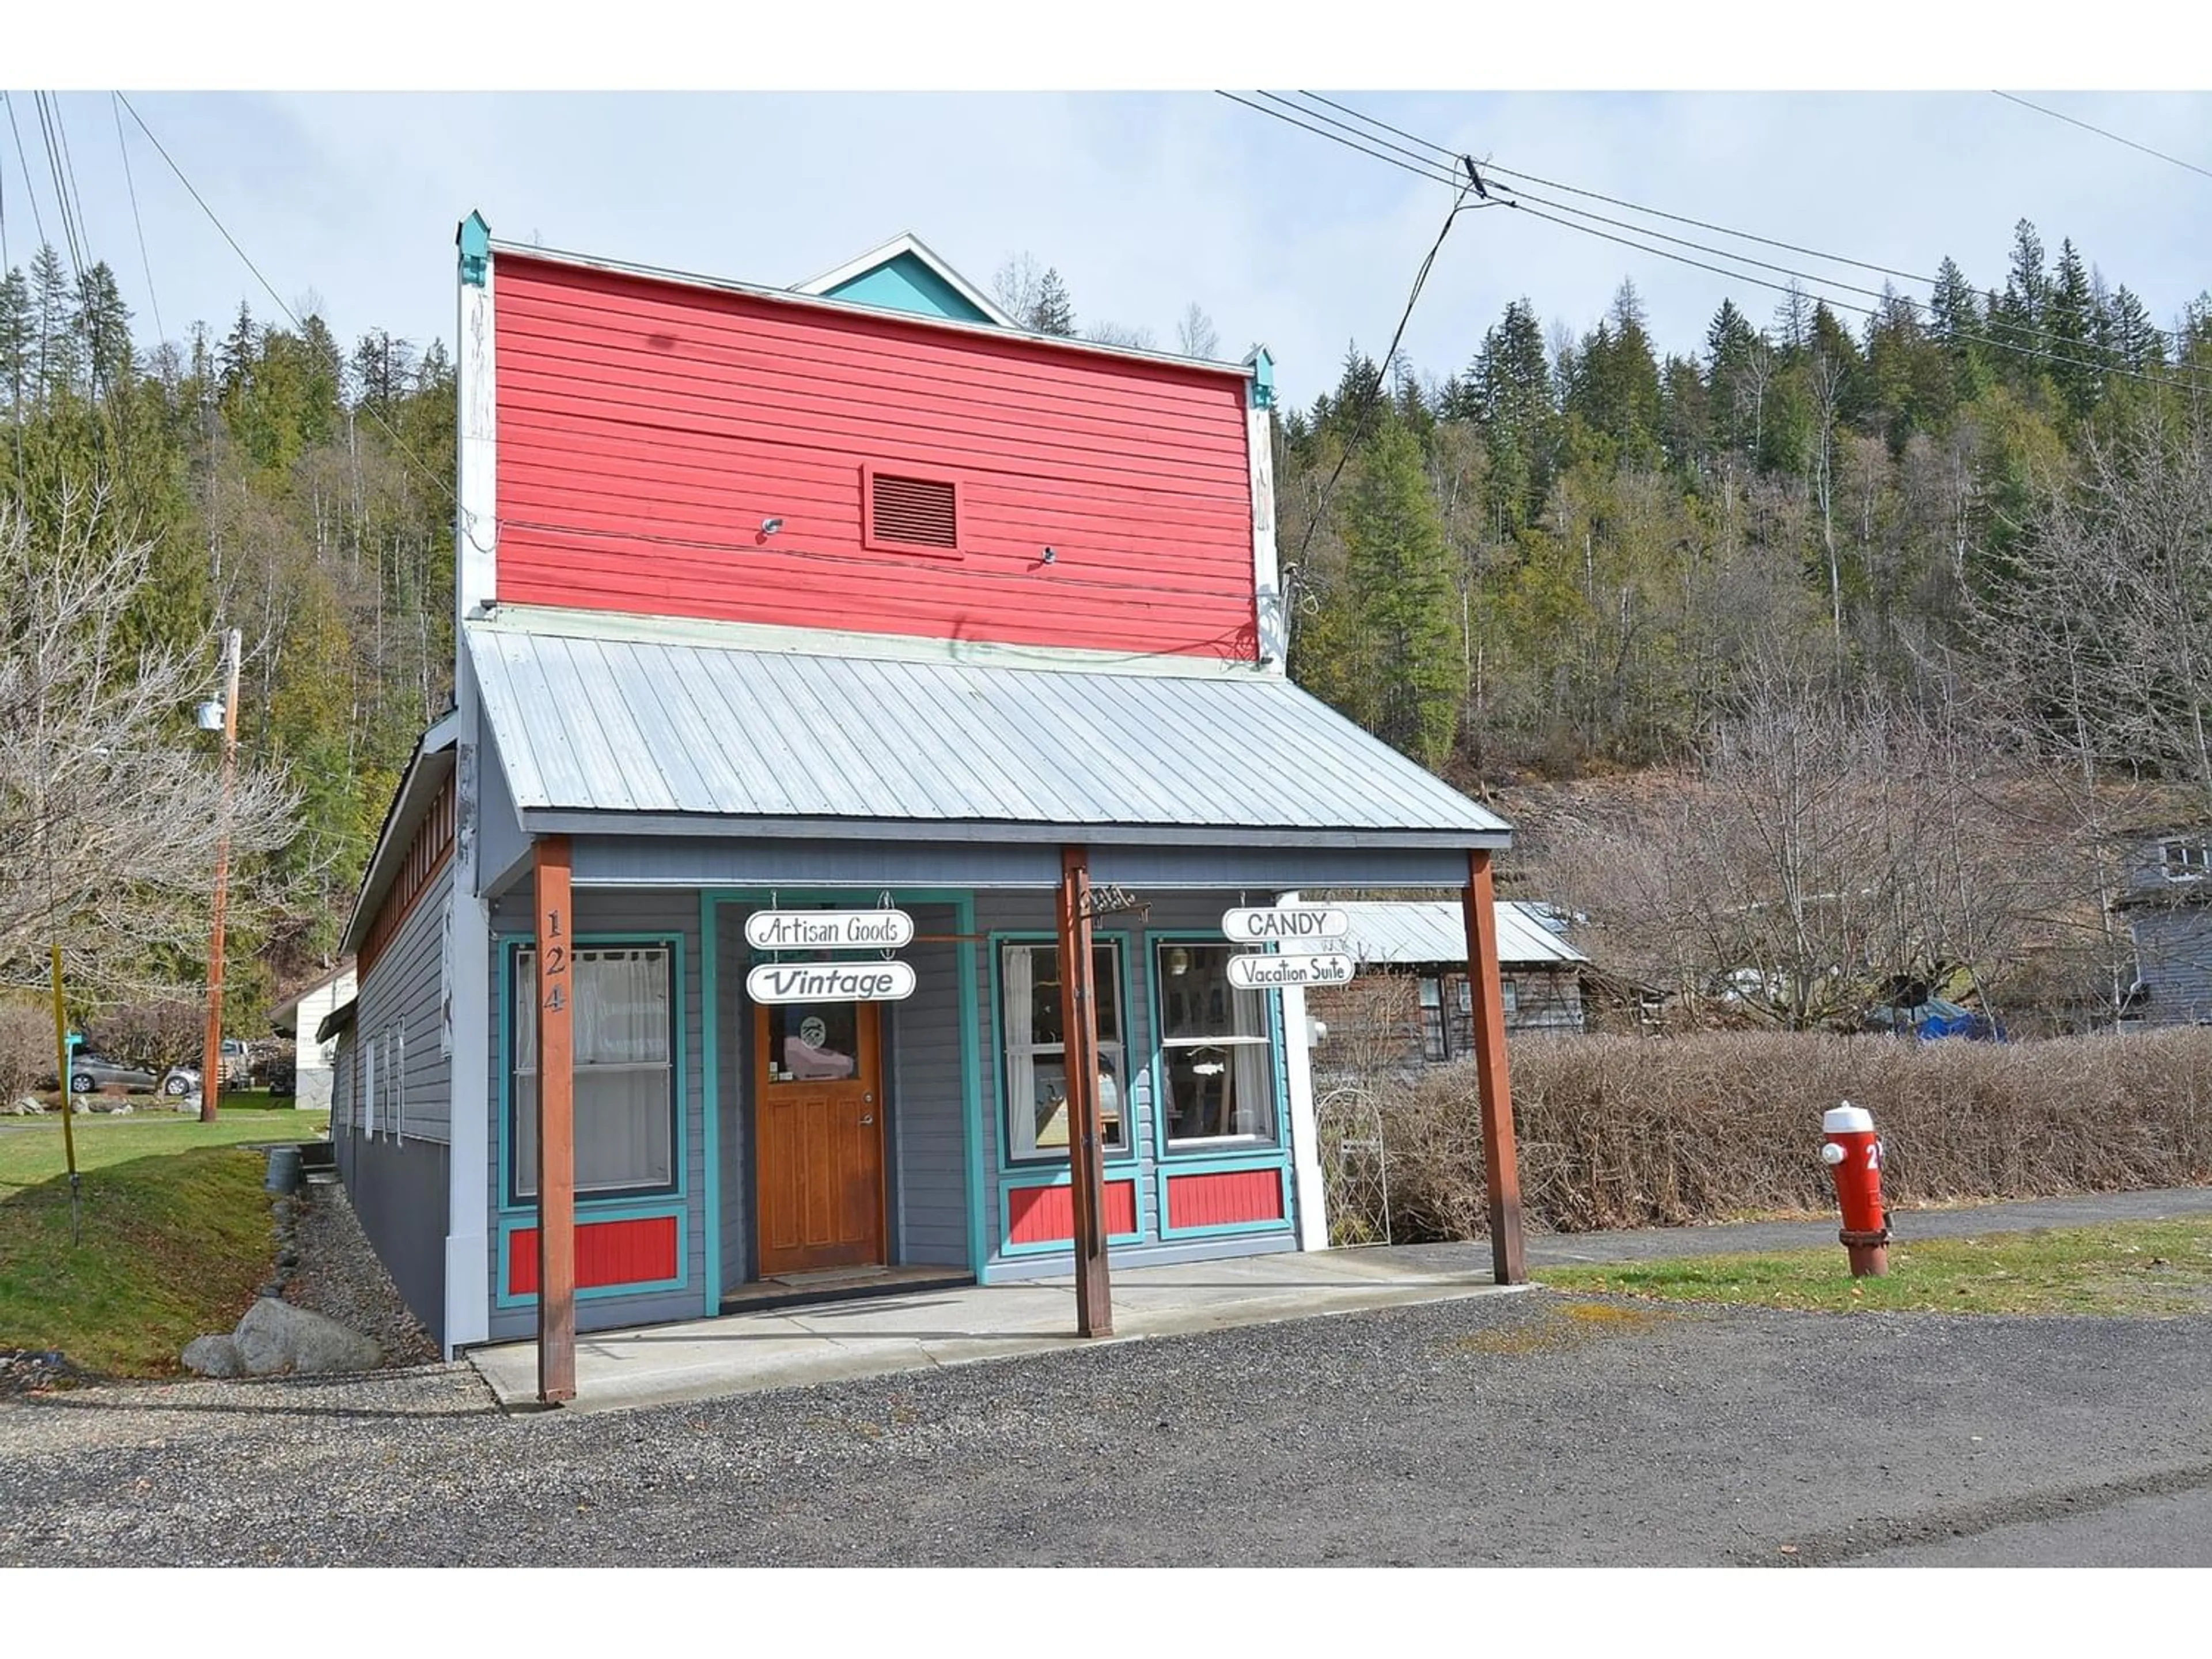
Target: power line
(23, 161)
(1437, 178)
(1374, 393)
(1656, 213)
(2180, 374)
(68, 171)
(2086, 126)
(137, 223)
(338, 362)
(2189, 375)
(2165, 341)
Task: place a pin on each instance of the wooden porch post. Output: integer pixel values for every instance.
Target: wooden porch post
(1500, 1159)
(556, 1128)
(1078, 1025)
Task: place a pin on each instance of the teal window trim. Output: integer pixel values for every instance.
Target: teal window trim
(1248, 1152)
(509, 945)
(971, 1105)
(1031, 1181)
(1280, 1167)
(511, 1225)
(1129, 1153)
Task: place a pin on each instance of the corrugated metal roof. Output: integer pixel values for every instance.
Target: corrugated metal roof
(592, 720)
(1416, 930)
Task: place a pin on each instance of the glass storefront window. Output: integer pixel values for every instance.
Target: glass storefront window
(1037, 1069)
(1215, 1049)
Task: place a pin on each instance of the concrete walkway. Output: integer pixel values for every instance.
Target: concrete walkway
(795, 1347)
(1963, 1221)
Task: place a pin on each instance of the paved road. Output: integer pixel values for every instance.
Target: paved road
(1971, 1221)
(1511, 1430)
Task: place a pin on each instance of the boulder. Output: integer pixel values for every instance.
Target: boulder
(275, 1336)
(214, 1356)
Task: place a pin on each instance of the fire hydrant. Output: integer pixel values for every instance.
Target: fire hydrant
(1853, 1155)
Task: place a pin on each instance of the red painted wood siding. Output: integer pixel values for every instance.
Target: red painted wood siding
(1040, 1215)
(1225, 1199)
(646, 429)
(607, 1252)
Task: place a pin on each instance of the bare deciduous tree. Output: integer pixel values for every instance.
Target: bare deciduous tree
(111, 813)
(1821, 852)
(1195, 335)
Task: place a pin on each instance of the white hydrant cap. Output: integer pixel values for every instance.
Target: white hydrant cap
(1847, 1120)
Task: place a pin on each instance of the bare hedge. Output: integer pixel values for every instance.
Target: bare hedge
(1623, 1132)
(27, 1046)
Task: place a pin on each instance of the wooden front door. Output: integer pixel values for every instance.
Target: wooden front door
(817, 1074)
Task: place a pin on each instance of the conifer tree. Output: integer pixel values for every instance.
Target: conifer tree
(1055, 312)
(1399, 571)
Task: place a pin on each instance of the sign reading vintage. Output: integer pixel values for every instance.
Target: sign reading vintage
(1296, 929)
(830, 981)
(1258, 972)
(829, 930)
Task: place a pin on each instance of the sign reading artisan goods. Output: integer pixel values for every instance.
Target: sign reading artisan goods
(1261, 972)
(829, 930)
(1290, 927)
(830, 981)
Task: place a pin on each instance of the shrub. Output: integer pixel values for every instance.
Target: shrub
(1624, 1131)
(27, 1048)
(154, 1035)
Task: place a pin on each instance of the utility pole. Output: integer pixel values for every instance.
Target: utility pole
(211, 1058)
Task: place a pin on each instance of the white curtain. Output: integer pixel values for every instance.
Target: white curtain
(1254, 1064)
(624, 1128)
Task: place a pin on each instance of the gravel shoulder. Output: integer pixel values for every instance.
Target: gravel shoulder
(1537, 1429)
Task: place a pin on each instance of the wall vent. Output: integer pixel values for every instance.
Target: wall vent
(906, 512)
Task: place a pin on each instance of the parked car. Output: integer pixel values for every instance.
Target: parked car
(181, 1080)
(90, 1071)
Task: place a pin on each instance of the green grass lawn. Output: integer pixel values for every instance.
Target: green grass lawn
(2154, 1268)
(176, 1235)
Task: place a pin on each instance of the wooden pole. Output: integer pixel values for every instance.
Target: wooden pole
(69, 1096)
(211, 1054)
(1500, 1159)
(557, 1127)
(1078, 1025)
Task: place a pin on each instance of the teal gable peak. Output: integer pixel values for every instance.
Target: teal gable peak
(905, 284)
(905, 275)
(474, 239)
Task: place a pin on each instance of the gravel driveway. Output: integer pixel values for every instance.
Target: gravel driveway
(1530, 1429)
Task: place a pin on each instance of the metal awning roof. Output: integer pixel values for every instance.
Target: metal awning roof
(1422, 930)
(718, 731)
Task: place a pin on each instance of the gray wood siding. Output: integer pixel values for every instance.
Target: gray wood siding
(402, 995)
(399, 1192)
(928, 1134)
(733, 1084)
(617, 913)
(2174, 957)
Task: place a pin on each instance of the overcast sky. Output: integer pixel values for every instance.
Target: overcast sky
(1145, 202)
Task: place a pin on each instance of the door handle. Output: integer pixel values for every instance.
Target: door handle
(867, 1117)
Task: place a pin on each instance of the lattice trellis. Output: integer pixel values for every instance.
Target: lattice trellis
(1355, 1167)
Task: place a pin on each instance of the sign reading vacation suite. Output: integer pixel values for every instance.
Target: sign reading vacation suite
(829, 930)
(830, 981)
(1299, 928)
(1260, 971)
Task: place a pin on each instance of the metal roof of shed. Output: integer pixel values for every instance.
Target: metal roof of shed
(1421, 931)
(730, 731)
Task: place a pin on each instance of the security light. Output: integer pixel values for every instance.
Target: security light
(207, 716)
(770, 526)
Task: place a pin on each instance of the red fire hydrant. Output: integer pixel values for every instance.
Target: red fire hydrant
(1853, 1155)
